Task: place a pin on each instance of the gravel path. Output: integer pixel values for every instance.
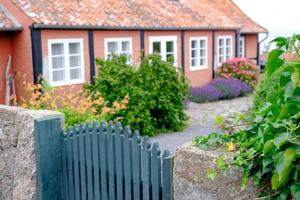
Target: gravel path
(201, 118)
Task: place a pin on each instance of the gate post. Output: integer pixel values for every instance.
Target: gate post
(49, 138)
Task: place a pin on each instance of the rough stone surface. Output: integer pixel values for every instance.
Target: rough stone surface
(191, 182)
(201, 121)
(17, 152)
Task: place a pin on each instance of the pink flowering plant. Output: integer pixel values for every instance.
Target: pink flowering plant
(240, 68)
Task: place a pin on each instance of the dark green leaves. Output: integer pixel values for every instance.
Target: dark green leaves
(274, 61)
(280, 41)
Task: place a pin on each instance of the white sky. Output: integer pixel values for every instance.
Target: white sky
(275, 15)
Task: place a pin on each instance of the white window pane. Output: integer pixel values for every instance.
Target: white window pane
(74, 48)
(125, 46)
(194, 62)
(221, 42)
(228, 42)
(57, 49)
(194, 54)
(202, 43)
(112, 47)
(170, 46)
(58, 62)
(170, 58)
(58, 75)
(221, 51)
(194, 44)
(156, 47)
(228, 50)
(75, 74)
(202, 62)
(202, 53)
(75, 61)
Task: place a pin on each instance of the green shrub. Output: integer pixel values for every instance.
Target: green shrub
(239, 68)
(156, 93)
(268, 149)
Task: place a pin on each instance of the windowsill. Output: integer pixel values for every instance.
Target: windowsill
(192, 69)
(59, 84)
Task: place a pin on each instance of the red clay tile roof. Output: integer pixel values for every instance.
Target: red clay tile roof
(138, 14)
(7, 21)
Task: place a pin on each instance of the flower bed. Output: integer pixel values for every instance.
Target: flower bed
(221, 88)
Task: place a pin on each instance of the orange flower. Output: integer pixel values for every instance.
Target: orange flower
(106, 110)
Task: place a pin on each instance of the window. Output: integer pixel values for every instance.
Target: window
(242, 47)
(66, 62)
(198, 53)
(118, 46)
(224, 49)
(165, 46)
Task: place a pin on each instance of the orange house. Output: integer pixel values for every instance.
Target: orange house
(61, 39)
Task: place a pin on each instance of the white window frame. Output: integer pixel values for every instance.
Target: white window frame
(241, 46)
(163, 40)
(119, 41)
(198, 48)
(67, 80)
(230, 55)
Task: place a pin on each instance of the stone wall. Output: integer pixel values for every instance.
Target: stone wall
(191, 182)
(17, 152)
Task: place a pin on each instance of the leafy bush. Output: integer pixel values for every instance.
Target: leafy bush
(77, 108)
(268, 149)
(239, 68)
(156, 93)
(219, 89)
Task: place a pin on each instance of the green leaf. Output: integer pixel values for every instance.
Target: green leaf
(211, 173)
(220, 163)
(219, 121)
(244, 181)
(283, 166)
(280, 41)
(281, 139)
(269, 147)
(274, 62)
(296, 78)
(295, 189)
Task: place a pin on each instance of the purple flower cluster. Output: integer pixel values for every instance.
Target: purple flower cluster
(221, 88)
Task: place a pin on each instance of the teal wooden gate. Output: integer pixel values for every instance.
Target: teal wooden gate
(100, 162)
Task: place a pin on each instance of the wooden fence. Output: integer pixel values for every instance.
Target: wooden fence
(107, 162)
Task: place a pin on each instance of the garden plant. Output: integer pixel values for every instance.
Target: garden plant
(155, 90)
(268, 150)
(239, 68)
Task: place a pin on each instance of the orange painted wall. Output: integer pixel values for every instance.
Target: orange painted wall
(251, 46)
(21, 47)
(99, 37)
(68, 34)
(5, 51)
(201, 76)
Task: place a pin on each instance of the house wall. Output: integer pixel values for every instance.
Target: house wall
(67, 34)
(21, 48)
(5, 51)
(251, 46)
(202, 76)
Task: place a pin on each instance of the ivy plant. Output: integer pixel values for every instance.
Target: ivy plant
(268, 150)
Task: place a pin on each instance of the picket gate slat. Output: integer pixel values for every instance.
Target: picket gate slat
(76, 163)
(65, 168)
(136, 165)
(89, 169)
(167, 176)
(70, 165)
(146, 173)
(96, 168)
(155, 171)
(111, 161)
(128, 163)
(103, 161)
(119, 145)
(82, 164)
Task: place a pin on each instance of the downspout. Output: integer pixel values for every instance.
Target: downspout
(237, 43)
(213, 53)
(258, 46)
(36, 48)
(183, 51)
